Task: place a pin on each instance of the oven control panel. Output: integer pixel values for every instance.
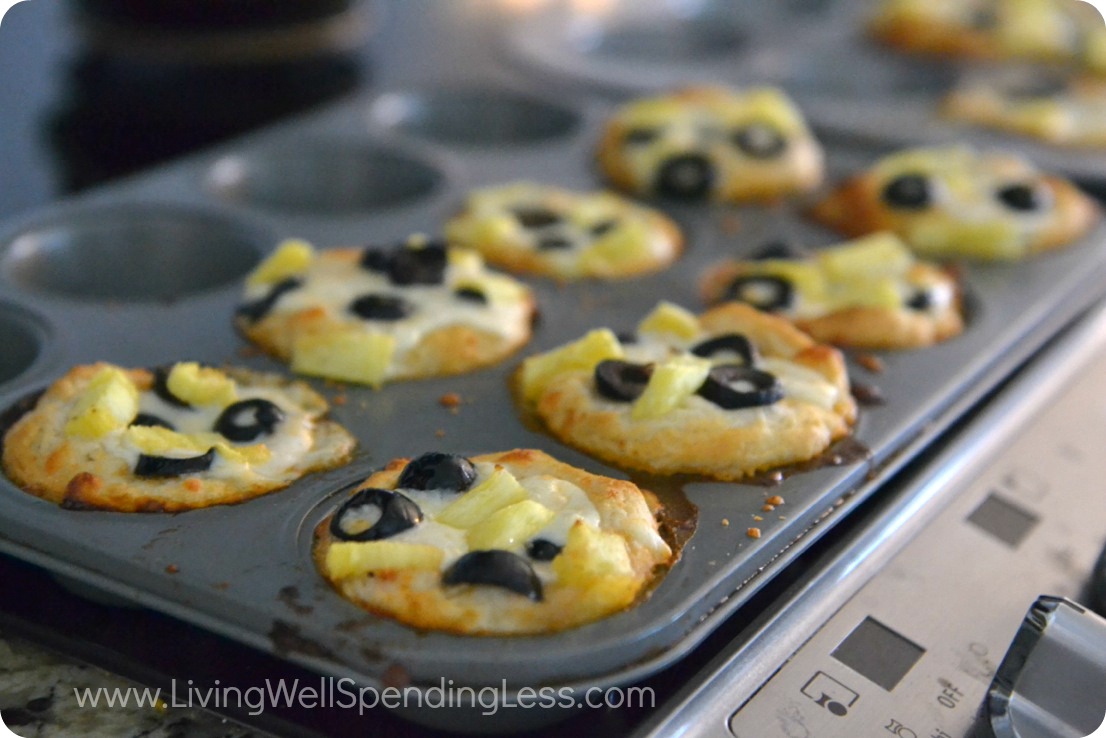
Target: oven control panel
(902, 635)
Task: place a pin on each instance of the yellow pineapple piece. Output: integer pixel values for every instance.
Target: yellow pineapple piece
(292, 257)
(158, 441)
(598, 345)
(351, 356)
(256, 453)
(670, 384)
(499, 289)
(878, 255)
(198, 385)
(987, 240)
(464, 259)
(499, 490)
(883, 292)
(806, 277)
(772, 106)
(670, 319)
(597, 565)
(109, 403)
(509, 527)
(346, 559)
(626, 244)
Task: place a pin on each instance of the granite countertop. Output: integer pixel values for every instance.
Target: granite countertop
(39, 693)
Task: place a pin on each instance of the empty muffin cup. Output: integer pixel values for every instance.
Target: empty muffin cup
(475, 117)
(132, 252)
(21, 339)
(322, 178)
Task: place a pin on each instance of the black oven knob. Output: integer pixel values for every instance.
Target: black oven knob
(1052, 681)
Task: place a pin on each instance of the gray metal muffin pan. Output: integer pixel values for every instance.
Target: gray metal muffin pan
(82, 284)
(849, 86)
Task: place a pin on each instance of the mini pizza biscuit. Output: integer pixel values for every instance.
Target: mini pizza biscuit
(550, 231)
(725, 395)
(375, 315)
(174, 438)
(499, 544)
(870, 293)
(710, 143)
(948, 203)
(1062, 31)
(1060, 110)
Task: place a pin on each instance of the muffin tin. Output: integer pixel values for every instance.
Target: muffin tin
(148, 270)
(849, 86)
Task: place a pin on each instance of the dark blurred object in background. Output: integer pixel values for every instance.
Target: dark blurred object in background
(151, 80)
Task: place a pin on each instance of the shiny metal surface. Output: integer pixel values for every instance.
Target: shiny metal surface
(935, 568)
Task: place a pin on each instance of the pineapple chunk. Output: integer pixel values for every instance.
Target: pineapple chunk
(465, 260)
(807, 279)
(346, 559)
(879, 255)
(883, 292)
(499, 490)
(590, 554)
(771, 105)
(626, 244)
(109, 403)
(509, 527)
(292, 257)
(158, 441)
(499, 289)
(199, 385)
(352, 356)
(986, 240)
(584, 354)
(672, 382)
(256, 453)
(670, 319)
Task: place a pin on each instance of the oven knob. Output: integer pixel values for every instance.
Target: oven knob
(1052, 681)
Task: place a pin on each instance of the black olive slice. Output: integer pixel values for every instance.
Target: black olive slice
(425, 265)
(732, 386)
(640, 136)
(258, 309)
(908, 192)
(760, 141)
(498, 569)
(248, 420)
(1023, 197)
(603, 228)
(397, 513)
(536, 217)
(627, 337)
(471, 294)
(435, 470)
(688, 177)
(554, 243)
(376, 259)
(152, 421)
(762, 291)
(540, 549)
(777, 250)
(734, 342)
(621, 381)
(921, 300)
(164, 466)
(161, 388)
(381, 307)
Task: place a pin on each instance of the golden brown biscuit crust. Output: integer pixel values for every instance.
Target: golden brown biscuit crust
(42, 460)
(706, 440)
(869, 327)
(856, 208)
(417, 597)
(764, 181)
(449, 350)
(513, 253)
